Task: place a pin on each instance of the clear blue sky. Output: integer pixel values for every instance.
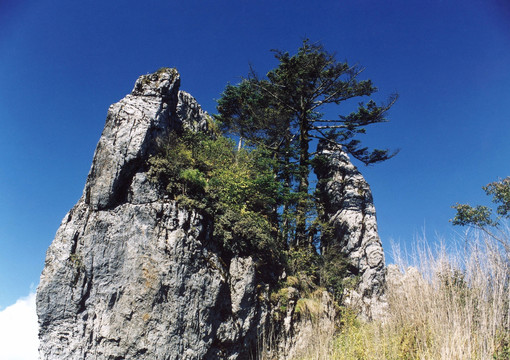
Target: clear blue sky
(62, 63)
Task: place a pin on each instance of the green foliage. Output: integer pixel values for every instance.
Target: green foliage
(336, 274)
(258, 195)
(502, 346)
(235, 188)
(481, 216)
(194, 181)
(360, 340)
(478, 216)
(311, 271)
(310, 306)
(302, 268)
(281, 298)
(238, 190)
(282, 113)
(195, 165)
(245, 232)
(304, 261)
(167, 166)
(76, 261)
(500, 192)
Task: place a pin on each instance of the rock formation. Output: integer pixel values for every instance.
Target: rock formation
(349, 209)
(131, 274)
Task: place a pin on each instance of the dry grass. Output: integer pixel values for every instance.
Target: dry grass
(444, 303)
(314, 321)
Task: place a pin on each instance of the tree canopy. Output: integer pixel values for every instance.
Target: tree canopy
(282, 112)
(481, 217)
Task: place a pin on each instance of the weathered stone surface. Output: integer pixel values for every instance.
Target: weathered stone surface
(191, 113)
(133, 275)
(128, 137)
(130, 274)
(350, 210)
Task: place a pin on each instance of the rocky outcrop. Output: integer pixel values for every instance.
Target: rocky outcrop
(349, 210)
(131, 274)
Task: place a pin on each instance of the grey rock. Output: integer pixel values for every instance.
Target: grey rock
(349, 209)
(128, 138)
(133, 275)
(316, 319)
(194, 118)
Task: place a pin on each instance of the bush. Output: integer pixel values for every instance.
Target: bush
(337, 274)
(235, 188)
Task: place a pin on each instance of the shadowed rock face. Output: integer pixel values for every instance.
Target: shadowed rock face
(350, 210)
(130, 274)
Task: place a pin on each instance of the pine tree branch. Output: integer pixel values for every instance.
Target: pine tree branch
(329, 127)
(332, 96)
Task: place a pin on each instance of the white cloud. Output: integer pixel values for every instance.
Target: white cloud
(18, 330)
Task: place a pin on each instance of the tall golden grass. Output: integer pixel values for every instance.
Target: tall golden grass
(443, 303)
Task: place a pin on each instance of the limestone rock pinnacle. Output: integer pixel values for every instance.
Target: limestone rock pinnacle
(133, 275)
(350, 211)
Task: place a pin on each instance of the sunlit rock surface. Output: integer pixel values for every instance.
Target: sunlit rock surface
(350, 210)
(130, 274)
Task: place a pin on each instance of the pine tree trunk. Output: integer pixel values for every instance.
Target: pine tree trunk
(304, 171)
(287, 183)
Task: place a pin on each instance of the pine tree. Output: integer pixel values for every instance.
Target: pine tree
(282, 113)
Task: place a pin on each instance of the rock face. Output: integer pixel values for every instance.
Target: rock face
(349, 209)
(130, 274)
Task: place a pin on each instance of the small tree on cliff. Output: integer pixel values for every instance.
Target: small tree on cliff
(282, 113)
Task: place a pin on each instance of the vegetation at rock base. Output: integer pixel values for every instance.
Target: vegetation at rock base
(237, 190)
(445, 303)
(257, 192)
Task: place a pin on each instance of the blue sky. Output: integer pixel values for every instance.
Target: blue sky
(62, 63)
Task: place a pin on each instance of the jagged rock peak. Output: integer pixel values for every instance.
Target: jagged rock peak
(134, 275)
(161, 83)
(349, 208)
(154, 108)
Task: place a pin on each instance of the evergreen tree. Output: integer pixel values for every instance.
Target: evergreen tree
(282, 113)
